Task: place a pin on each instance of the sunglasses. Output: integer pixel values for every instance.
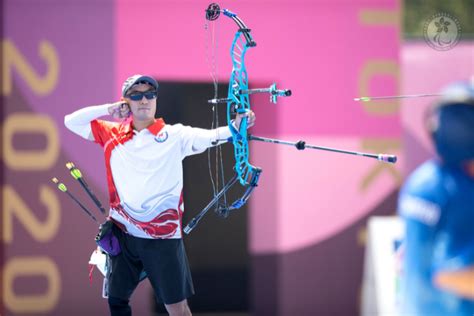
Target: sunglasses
(137, 96)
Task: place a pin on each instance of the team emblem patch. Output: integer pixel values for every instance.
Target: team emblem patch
(161, 137)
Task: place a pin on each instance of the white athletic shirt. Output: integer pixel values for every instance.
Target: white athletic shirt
(144, 169)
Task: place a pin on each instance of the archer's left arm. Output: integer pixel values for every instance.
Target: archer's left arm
(197, 140)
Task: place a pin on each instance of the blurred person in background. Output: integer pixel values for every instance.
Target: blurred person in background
(143, 158)
(437, 206)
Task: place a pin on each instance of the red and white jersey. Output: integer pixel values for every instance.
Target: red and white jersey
(145, 173)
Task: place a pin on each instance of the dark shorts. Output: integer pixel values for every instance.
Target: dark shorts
(163, 260)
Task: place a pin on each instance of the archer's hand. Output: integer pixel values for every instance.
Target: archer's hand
(119, 110)
(250, 115)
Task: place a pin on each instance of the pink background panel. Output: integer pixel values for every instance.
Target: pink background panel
(317, 48)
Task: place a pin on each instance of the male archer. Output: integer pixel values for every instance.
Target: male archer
(143, 158)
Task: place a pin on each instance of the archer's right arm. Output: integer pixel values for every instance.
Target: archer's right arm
(79, 122)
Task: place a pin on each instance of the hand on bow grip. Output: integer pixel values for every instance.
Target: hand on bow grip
(250, 115)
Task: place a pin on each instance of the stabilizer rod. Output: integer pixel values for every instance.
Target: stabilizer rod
(301, 145)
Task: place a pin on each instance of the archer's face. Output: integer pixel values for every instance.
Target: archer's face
(143, 109)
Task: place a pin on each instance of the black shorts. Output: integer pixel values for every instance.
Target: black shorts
(163, 260)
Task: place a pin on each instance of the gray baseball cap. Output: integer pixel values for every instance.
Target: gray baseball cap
(136, 79)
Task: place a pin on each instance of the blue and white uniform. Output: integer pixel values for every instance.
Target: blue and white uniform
(437, 205)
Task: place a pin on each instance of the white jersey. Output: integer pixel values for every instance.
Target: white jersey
(145, 173)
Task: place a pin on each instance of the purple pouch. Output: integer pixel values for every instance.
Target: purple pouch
(106, 239)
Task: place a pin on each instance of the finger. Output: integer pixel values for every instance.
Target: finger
(124, 110)
(117, 112)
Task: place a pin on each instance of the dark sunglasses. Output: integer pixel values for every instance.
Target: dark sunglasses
(137, 96)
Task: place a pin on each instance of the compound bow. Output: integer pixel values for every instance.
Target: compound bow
(238, 102)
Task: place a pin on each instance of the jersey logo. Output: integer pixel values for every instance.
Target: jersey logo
(161, 137)
(419, 209)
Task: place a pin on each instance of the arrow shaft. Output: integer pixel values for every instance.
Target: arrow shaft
(81, 206)
(407, 96)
